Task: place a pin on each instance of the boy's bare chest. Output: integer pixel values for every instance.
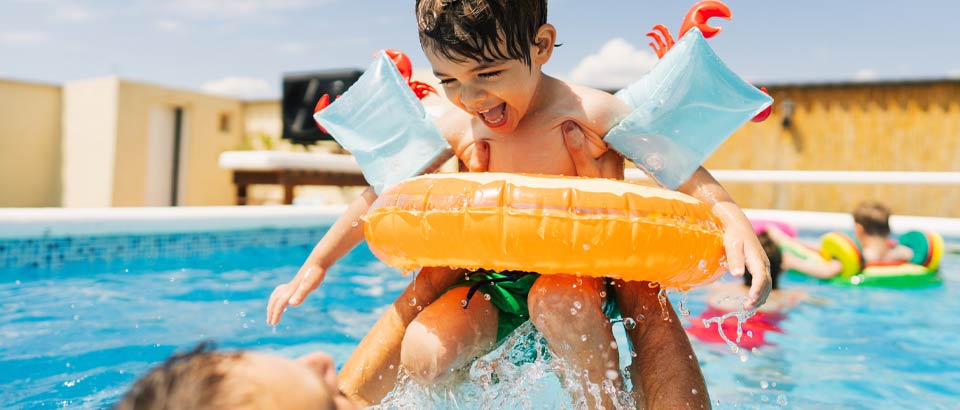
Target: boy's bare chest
(539, 152)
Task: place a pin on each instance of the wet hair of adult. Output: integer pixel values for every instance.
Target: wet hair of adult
(186, 380)
(462, 30)
(776, 261)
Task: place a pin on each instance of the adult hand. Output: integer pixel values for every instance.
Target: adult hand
(607, 165)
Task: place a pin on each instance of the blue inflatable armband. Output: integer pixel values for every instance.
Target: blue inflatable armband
(687, 105)
(383, 124)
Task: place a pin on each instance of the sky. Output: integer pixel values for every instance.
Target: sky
(243, 47)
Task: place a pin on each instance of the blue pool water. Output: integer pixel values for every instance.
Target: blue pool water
(76, 334)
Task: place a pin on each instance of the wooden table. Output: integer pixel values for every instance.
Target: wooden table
(289, 169)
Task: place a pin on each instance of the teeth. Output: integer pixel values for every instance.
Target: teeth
(484, 113)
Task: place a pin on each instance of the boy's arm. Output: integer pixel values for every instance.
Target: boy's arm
(343, 236)
(743, 249)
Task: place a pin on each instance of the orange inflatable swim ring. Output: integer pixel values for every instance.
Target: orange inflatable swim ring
(549, 225)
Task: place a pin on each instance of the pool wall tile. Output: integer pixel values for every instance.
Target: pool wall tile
(54, 252)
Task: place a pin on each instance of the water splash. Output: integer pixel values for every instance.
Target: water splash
(519, 369)
(742, 316)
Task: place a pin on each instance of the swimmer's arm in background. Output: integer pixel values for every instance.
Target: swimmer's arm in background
(901, 254)
(743, 249)
(814, 267)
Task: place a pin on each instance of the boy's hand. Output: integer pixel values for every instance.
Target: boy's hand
(743, 250)
(294, 292)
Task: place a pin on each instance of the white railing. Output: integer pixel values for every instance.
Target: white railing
(825, 177)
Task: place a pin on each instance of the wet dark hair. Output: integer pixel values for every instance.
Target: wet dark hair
(462, 30)
(874, 217)
(186, 380)
(776, 261)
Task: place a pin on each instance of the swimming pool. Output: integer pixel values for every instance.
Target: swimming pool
(75, 334)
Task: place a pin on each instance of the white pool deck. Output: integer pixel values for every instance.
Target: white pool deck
(23, 223)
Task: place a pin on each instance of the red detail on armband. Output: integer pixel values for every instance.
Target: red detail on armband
(763, 115)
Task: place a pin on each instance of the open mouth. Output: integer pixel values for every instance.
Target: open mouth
(494, 117)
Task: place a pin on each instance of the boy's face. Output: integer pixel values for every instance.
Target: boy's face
(498, 94)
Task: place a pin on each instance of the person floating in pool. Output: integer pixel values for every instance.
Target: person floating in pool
(206, 379)
(871, 228)
(488, 55)
(725, 298)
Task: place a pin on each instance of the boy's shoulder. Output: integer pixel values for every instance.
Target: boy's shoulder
(596, 109)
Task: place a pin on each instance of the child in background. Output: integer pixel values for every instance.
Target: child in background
(488, 55)
(871, 227)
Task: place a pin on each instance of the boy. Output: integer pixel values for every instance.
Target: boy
(204, 379)
(871, 227)
(488, 55)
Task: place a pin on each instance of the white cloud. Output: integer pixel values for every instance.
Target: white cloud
(233, 8)
(240, 87)
(617, 64)
(866, 74)
(70, 12)
(954, 73)
(20, 38)
(169, 26)
(292, 48)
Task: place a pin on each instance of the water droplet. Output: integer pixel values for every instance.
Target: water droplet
(463, 302)
(573, 311)
(613, 345)
(629, 323)
(419, 308)
(653, 285)
(354, 224)
(17, 282)
(612, 374)
(486, 296)
(226, 302)
(690, 357)
(391, 367)
(764, 384)
(173, 279)
(702, 265)
(245, 326)
(694, 391)
(603, 293)
(583, 338)
(73, 306)
(577, 304)
(633, 354)
(749, 333)
(76, 317)
(782, 399)
(413, 302)
(243, 314)
(586, 247)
